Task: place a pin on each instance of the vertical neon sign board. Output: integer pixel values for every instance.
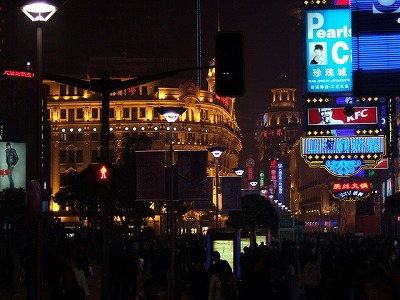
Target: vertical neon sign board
(328, 50)
(281, 196)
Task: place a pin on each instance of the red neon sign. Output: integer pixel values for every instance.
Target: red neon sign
(351, 190)
(364, 185)
(15, 73)
(223, 100)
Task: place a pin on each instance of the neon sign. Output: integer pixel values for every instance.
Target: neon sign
(343, 145)
(15, 73)
(280, 183)
(223, 100)
(351, 190)
(273, 132)
(362, 115)
(343, 156)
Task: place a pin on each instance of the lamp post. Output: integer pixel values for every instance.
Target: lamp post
(171, 114)
(238, 171)
(253, 183)
(217, 152)
(39, 12)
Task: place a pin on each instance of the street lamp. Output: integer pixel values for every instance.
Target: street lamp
(171, 114)
(39, 12)
(253, 183)
(238, 171)
(216, 152)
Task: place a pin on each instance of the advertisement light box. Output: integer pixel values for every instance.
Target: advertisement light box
(343, 145)
(343, 156)
(335, 116)
(376, 47)
(12, 165)
(328, 50)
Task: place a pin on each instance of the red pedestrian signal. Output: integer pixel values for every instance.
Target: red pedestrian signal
(101, 179)
(103, 173)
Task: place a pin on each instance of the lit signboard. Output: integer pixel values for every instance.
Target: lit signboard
(343, 156)
(351, 189)
(13, 176)
(225, 249)
(334, 115)
(328, 50)
(18, 73)
(281, 196)
(273, 176)
(376, 47)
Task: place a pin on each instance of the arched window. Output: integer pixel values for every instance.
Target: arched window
(284, 119)
(273, 120)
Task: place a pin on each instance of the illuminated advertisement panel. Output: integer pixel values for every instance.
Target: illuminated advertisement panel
(225, 249)
(273, 176)
(335, 116)
(376, 47)
(343, 156)
(12, 165)
(328, 50)
(344, 145)
(350, 189)
(281, 195)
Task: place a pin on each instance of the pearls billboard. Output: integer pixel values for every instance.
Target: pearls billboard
(328, 50)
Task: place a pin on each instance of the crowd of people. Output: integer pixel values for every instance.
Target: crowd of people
(321, 266)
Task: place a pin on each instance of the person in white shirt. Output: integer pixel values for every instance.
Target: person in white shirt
(80, 277)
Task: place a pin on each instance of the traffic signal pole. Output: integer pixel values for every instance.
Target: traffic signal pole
(105, 154)
(105, 86)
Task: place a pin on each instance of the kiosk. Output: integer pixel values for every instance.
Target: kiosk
(227, 242)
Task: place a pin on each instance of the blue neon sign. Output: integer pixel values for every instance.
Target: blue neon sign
(328, 50)
(343, 145)
(376, 47)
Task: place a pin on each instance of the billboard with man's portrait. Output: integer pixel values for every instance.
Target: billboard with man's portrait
(328, 50)
(12, 165)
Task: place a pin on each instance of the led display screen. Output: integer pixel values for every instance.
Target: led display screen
(225, 249)
(343, 145)
(12, 165)
(343, 156)
(376, 47)
(328, 50)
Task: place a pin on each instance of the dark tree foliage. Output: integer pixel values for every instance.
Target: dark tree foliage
(392, 205)
(79, 194)
(124, 182)
(13, 207)
(79, 190)
(257, 212)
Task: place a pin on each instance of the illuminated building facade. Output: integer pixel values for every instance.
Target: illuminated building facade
(280, 127)
(304, 190)
(277, 132)
(75, 124)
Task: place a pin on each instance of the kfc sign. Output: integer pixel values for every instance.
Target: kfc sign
(335, 116)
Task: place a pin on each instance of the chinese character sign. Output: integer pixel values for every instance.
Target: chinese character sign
(350, 190)
(328, 50)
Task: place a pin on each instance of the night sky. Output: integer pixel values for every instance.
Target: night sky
(154, 29)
